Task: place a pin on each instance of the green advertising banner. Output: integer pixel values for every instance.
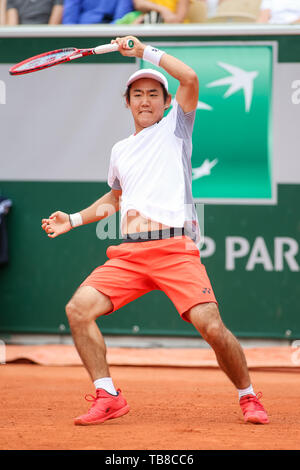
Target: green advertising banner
(232, 158)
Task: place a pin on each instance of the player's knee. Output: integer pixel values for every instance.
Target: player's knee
(213, 332)
(79, 313)
(206, 319)
(74, 314)
(86, 305)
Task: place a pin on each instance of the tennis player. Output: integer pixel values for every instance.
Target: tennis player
(150, 180)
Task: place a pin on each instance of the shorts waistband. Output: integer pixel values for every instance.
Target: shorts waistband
(153, 235)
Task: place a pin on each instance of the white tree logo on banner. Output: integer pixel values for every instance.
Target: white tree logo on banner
(239, 80)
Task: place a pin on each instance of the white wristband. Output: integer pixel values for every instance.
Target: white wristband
(152, 55)
(75, 219)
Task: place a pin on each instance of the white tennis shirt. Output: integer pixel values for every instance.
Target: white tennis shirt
(153, 169)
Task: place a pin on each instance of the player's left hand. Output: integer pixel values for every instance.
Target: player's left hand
(136, 51)
(56, 224)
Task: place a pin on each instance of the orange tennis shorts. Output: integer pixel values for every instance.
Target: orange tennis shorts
(171, 265)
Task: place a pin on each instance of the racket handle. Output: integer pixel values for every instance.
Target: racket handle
(111, 47)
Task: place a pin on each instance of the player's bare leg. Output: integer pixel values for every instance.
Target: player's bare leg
(230, 356)
(85, 306)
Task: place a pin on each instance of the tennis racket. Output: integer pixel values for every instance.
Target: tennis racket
(60, 56)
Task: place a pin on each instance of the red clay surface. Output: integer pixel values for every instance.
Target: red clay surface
(171, 408)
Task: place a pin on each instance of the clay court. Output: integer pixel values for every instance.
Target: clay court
(191, 406)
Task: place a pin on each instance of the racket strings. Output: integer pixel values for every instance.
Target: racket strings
(45, 60)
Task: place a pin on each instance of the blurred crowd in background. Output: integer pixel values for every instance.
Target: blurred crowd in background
(70, 12)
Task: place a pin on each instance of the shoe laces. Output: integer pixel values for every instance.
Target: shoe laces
(93, 399)
(253, 399)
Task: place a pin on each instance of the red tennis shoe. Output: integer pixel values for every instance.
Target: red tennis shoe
(253, 410)
(105, 406)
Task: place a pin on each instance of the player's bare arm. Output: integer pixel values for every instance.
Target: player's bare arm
(59, 222)
(188, 90)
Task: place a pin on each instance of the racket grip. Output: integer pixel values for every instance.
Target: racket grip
(111, 47)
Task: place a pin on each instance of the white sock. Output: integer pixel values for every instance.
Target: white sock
(246, 391)
(106, 383)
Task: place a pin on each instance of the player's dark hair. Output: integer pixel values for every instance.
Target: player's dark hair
(165, 93)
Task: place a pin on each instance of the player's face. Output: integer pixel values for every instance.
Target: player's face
(146, 102)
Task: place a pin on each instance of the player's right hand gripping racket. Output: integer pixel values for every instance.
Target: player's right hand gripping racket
(59, 56)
